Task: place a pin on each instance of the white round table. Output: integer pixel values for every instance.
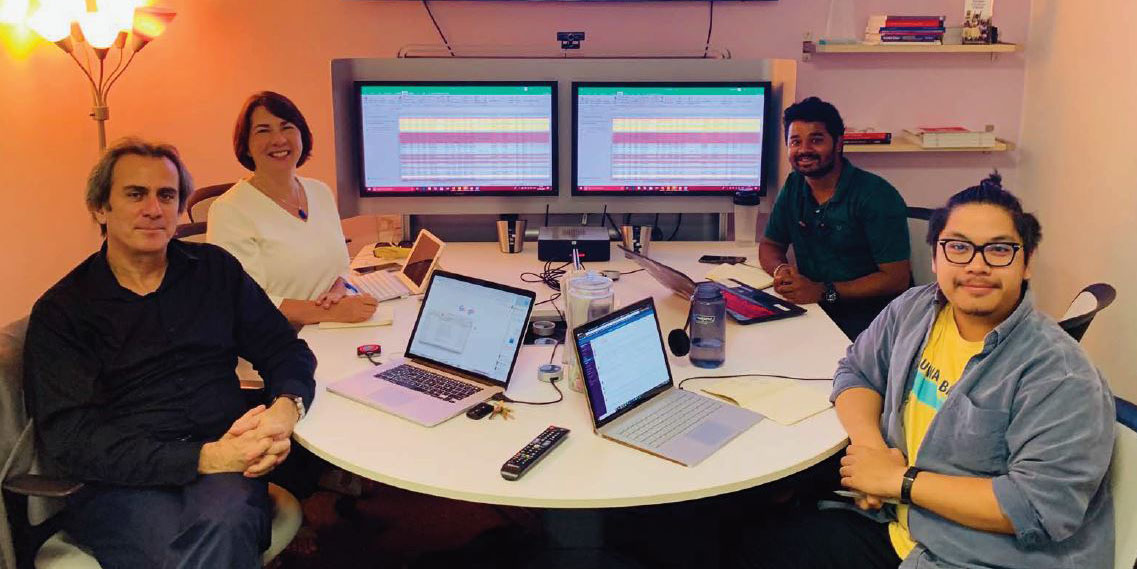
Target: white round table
(462, 458)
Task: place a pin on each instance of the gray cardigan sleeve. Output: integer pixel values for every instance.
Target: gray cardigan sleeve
(1060, 442)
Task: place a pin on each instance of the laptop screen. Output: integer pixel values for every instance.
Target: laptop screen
(471, 325)
(622, 360)
(421, 257)
(678, 282)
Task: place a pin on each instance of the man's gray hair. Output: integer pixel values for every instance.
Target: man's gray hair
(99, 182)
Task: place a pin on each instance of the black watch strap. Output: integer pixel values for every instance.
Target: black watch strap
(830, 295)
(906, 485)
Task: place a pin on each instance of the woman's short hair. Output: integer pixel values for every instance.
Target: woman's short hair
(100, 180)
(279, 106)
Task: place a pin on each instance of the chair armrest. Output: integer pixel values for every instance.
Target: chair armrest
(42, 486)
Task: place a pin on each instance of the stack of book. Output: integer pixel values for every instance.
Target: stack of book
(892, 30)
(871, 136)
(951, 137)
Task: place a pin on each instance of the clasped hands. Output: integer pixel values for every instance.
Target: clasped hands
(344, 307)
(255, 444)
(795, 287)
(875, 472)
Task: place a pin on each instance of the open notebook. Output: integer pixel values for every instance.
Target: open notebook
(753, 277)
(786, 401)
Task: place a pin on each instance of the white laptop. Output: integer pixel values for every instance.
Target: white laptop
(631, 397)
(461, 351)
(411, 278)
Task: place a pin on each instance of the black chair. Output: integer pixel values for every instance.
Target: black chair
(921, 254)
(30, 530)
(194, 231)
(1086, 305)
(197, 206)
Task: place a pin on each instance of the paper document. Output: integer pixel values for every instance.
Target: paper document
(786, 401)
(752, 277)
(384, 315)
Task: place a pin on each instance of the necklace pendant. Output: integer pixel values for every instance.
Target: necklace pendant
(303, 214)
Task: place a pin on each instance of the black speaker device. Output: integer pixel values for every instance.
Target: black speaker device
(557, 243)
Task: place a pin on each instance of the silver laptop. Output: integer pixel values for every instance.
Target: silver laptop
(461, 352)
(678, 282)
(411, 278)
(631, 397)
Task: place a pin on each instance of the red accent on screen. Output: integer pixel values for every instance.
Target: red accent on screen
(471, 137)
(687, 137)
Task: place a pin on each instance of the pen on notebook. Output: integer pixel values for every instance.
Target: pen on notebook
(350, 287)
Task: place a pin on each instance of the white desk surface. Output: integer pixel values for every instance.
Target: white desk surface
(461, 458)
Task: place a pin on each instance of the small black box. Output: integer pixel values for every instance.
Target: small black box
(556, 243)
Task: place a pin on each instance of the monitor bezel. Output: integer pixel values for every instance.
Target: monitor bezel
(357, 117)
(480, 377)
(767, 135)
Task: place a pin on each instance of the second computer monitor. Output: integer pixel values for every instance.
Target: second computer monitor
(676, 138)
(436, 138)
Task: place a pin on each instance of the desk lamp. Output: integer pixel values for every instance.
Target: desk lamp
(99, 33)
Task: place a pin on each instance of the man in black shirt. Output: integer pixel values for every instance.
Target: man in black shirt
(130, 364)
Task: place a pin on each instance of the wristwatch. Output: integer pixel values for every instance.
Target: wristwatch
(906, 485)
(299, 401)
(830, 296)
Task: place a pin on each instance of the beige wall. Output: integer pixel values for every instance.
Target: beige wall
(187, 86)
(1077, 167)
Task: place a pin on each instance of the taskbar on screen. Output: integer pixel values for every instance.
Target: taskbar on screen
(675, 189)
(380, 190)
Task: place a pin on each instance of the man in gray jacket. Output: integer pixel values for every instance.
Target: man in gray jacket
(980, 432)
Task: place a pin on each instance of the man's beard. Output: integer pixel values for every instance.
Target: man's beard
(823, 168)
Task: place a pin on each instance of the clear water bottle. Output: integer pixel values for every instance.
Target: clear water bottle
(708, 326)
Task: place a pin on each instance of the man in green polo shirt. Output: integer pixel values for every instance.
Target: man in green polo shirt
(848, 227)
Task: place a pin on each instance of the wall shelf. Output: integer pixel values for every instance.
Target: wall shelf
(810, 48)
(909, 146)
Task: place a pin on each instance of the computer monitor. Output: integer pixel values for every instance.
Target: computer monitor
(447, 138)
(676, 138)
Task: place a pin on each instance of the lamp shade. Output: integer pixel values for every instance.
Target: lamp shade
(13, 11)
(51, 24)
(100, 28)
(149, 23)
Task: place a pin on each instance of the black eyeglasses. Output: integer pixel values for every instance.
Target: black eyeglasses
(960, 252)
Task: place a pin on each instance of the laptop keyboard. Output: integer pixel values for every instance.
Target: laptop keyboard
(668, 420)
(381, 284)
(432, 384)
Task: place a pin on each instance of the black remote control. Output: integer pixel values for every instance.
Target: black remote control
(533, 452)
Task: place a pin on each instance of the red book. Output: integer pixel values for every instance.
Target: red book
(892, 21)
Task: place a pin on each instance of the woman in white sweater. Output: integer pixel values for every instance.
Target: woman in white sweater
(285, 229)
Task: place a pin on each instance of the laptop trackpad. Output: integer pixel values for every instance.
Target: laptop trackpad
(392, 397)
(710, 433)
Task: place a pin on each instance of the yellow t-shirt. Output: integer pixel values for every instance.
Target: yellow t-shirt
(941, 364)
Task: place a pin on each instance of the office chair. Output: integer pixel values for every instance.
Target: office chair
(31, 498)
(921, 253)
(1093, 299)
(1123, 485)
(197, 206)
(193, 231)
(365, 229)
